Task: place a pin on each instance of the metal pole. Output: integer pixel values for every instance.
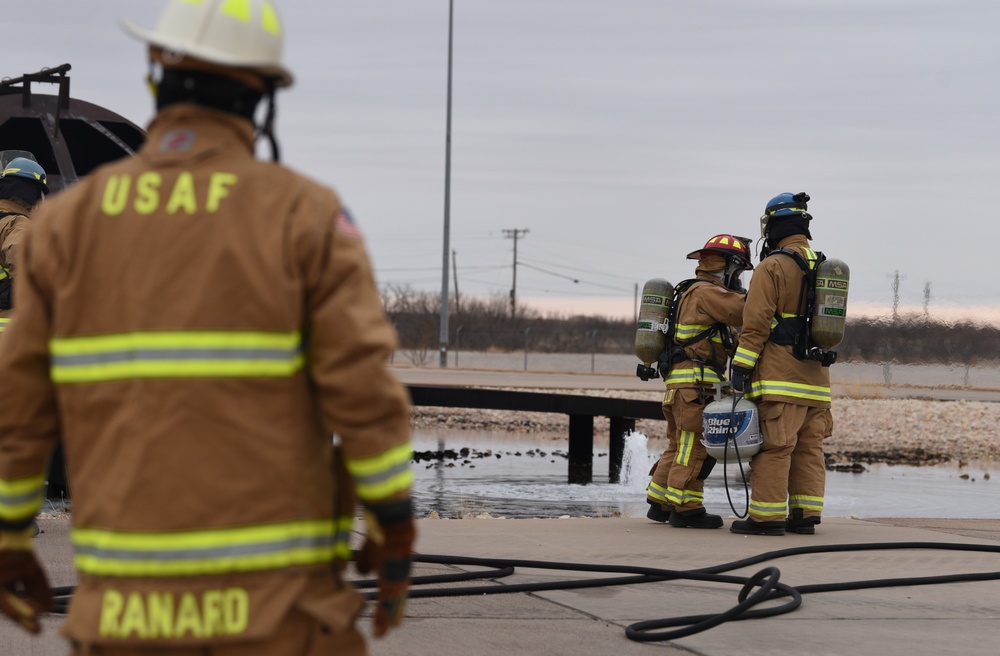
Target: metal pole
(593, 349)
(443, 335)
(454, 270)
(526, 330)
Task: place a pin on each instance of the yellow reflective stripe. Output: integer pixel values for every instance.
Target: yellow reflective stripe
(680, 497)
(791, 209)
(384, 475)
(3, 323)
(21, 499)
(211, 551)
(768, 509)
(784, 388)
(684, 446)
(805, 502)
(654, 491)
(746, 358)
(689, 330)
(697, 375)
(173, 354)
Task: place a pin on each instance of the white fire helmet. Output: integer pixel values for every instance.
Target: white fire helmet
(244, 34)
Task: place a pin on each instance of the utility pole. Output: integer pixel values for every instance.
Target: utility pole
(443, 334)
(927, 299)
(454, 270)
(895, 295)
(514, 234)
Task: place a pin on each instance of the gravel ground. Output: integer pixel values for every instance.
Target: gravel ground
(895, 431)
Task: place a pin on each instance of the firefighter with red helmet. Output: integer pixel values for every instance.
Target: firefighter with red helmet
(707, 307)
(791, 388)
(203, 331)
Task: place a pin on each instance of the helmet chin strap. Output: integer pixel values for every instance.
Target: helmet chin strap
(267, 128)
(219, 92)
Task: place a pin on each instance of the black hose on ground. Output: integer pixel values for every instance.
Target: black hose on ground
(764, 586)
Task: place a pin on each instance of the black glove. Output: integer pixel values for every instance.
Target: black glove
(388, 550)
(739, 378)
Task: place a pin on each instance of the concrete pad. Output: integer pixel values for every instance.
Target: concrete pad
(949, 618)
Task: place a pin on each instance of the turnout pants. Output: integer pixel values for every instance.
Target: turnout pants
(789, 471)
(678, 477)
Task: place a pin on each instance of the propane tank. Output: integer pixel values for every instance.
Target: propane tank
(740, 428)
(829, 317)
(650, 340)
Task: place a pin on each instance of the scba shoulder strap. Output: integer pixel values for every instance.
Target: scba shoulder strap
(796, 331)
(675, 352)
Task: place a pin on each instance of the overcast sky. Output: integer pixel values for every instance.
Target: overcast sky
(621, 135)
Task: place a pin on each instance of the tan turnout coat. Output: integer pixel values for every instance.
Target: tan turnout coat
(196, 325)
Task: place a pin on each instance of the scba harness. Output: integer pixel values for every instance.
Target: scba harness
(796, 330)
(675, 352)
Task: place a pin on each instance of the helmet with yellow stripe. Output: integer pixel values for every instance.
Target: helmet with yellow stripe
(241, 34)
(729, 246)
(22, 167)
(735, 253)
(784, 206)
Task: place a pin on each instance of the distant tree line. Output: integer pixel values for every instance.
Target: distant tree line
(486, 324)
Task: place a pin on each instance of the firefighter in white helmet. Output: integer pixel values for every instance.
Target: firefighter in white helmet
(197, 326)
(696, 358)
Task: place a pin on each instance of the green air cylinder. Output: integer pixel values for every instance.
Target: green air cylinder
(650, 341)
(830, 310)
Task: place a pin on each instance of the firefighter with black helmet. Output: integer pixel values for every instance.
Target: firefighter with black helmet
(22, 185)
(707, 307)
(792, 390)
(204, 332)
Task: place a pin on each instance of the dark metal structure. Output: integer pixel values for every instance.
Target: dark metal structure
(68, 137)
(622, 414)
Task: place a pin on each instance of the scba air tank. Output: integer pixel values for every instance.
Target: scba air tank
(739, 426)
(829, 318)
(650, 340)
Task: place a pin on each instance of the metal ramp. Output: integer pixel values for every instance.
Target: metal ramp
(68, 137)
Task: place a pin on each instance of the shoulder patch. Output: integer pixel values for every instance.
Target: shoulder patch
(177, 141)
(346, 225)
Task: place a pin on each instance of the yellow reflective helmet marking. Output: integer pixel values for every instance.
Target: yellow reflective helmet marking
(238, 9)
(269, 19)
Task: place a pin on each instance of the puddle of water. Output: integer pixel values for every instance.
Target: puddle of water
(520, 477)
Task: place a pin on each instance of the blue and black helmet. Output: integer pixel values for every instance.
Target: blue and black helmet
(784, 206)
(22, 167)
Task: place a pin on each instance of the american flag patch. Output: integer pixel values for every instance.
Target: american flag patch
(346, 225)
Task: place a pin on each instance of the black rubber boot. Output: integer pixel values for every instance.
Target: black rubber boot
(697, 518)
(801, 525)
(658, 513)
(749, 527)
